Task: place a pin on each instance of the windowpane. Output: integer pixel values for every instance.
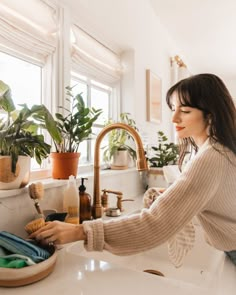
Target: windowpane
(23, 78)
(83, 150)
(100, 100)
(98, 96)
(96, 131)
(80, 87)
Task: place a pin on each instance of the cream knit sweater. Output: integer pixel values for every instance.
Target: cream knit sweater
(206, 189)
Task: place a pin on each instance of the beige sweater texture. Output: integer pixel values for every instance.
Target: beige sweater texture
(206, 189)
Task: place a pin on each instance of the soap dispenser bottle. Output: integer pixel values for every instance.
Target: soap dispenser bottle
(85, 202)
(71, 201)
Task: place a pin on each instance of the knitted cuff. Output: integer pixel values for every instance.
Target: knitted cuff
(95, 235)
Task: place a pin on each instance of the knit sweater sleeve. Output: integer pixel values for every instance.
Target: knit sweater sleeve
(168, 214)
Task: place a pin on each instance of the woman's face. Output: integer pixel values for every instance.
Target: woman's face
(188, 121)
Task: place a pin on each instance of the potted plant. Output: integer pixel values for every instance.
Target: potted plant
(119, 148)
(20, 139)
(163, 154)
(74, 126)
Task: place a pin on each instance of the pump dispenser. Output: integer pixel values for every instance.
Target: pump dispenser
(71, 201)
(85, 202)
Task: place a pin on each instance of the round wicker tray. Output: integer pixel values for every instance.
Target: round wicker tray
(10, 277)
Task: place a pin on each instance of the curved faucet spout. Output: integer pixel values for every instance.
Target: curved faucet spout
(141, 162)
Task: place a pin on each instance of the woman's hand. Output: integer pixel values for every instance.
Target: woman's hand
(57, 232)
(151, 195)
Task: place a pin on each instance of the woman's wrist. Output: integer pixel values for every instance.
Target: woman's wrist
(80, 234)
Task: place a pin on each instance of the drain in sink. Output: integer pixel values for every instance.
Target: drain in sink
(154, 272)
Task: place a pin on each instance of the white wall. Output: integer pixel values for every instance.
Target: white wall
(132, 29)
(17, 208)
(231, 84)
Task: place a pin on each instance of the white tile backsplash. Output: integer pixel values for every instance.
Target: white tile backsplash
(17, 208)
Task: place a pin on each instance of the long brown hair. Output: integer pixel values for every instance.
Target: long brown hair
(208, 93)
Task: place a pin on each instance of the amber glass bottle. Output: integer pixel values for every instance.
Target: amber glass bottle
(85, 202)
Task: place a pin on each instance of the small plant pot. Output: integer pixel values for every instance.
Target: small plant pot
(155, 178)
(20, 178)
(120, 160)
(64, 165)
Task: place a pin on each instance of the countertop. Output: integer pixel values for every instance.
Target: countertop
(75, 274)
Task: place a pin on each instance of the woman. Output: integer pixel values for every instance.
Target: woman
(204, 116)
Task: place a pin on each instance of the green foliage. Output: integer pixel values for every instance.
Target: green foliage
(164, 153)
(19, 129)
(76, 125)
(118, 139)
(6, 101)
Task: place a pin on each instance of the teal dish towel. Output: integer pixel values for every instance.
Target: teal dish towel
(16, 245)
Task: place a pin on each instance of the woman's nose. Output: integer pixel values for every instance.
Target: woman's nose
(175, 117)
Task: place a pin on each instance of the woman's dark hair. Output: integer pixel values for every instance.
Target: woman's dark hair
(208, 93)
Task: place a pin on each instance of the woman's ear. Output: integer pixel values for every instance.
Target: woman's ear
(208, 124)
(209, 119)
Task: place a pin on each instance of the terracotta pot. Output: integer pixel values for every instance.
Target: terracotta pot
(64, 165)
(20, 178)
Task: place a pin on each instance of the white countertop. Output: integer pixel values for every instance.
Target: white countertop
(80, 275)
(75, 273)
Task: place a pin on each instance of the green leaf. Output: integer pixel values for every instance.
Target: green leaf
(6, 101)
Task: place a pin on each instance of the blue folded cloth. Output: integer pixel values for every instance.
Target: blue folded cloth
(16, 245)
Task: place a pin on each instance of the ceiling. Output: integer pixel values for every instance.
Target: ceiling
(204, 30)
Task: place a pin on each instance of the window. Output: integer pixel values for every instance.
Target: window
(97, 70)
(98, 96)
(35, 65)
(25, 81)
(28, 43)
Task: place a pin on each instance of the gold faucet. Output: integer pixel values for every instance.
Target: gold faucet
(119, 196)
(141, 162)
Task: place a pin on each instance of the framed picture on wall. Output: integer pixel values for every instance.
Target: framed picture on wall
(153, 93)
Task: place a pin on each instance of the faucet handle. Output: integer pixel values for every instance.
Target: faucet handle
(104, 197)
(120, 200)
(112, 192)
(104, 200)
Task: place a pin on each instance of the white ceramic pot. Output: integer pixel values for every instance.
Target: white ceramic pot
(20, 178)
(155, 178)
(120, 160)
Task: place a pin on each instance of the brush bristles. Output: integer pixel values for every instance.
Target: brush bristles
(36, 191)
(34, 225)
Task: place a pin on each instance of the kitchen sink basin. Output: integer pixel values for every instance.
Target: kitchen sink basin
(202, 266)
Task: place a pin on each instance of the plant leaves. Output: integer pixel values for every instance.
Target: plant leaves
(6, 101)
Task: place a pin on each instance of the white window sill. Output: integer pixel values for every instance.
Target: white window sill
(50, 182)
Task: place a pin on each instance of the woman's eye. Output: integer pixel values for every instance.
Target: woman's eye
(185, 111)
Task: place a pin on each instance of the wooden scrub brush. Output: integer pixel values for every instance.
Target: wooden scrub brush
(36, 192)
(34, 225)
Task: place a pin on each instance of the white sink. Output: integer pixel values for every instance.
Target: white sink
(203, 266)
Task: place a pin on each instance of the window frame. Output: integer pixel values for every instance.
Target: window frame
(113, 101)
(56, 67)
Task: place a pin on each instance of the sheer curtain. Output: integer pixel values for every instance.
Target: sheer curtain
(28, 29)
(93, 59)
